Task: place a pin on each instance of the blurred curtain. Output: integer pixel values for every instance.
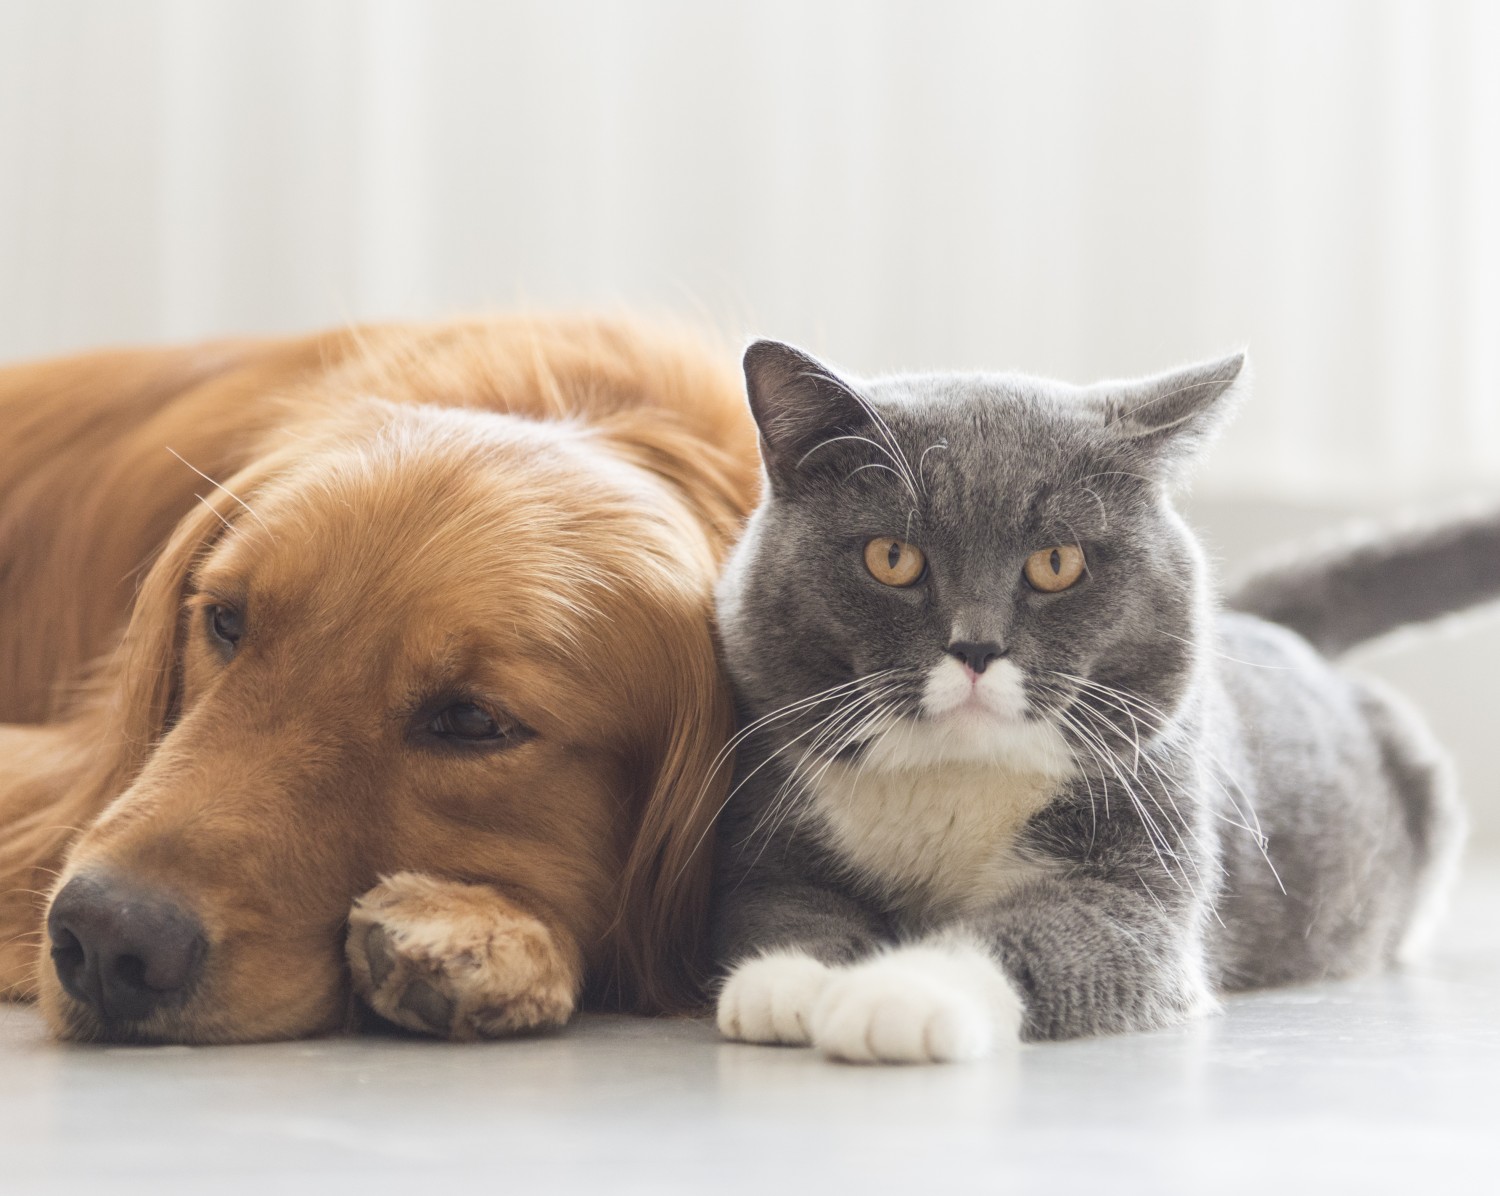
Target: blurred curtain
(1081, 189)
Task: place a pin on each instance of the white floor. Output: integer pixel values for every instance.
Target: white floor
(1391, 1085)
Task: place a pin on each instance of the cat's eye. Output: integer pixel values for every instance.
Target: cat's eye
(894, 562)
(1054, 569)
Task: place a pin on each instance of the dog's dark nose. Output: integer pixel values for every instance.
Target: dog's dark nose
(977, 655)
(123, 950)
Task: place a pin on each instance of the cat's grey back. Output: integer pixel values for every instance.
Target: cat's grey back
(1351, 819)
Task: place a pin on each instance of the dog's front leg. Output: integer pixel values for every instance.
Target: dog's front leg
(459, 960)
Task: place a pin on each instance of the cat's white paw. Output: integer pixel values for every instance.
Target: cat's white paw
(922, 1004)
(770, 999)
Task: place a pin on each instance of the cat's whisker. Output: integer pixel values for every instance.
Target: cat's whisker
(891, 443)
(1122, 696)
(922, 461)
(1061, 715)
(1120, 473)
(1150, 892)
(1182, 823)
(1254, 664)
(1215, 772)
(1160, 843)
(849, 734)
(863, 763)
(892, 446)
(793, 787)
(1103, 509)
(870, 465)
(788, 710)
(1088, 785)
(832, 693)
(1101, 754)
(795, 707)
(831, 440)
(819, 727)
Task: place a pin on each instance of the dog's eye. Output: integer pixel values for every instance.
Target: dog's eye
(226, 624)
(465, 721)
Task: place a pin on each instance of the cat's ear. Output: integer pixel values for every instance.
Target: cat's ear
(1167, 419)
(799, 403)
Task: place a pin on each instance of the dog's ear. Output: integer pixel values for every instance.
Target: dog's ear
(659, 935)
(718, 480)
(139, 687)
(125, 709)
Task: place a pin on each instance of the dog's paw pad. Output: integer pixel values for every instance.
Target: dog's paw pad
(428, 1006)
(456, 960)
(378, 955)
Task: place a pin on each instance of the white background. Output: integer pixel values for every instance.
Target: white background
(1085, 189)
(1080, 189)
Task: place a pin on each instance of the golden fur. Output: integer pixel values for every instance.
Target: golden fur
(526, 511)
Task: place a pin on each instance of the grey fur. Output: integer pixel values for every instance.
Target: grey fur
(1242, 813)
(1379, 579)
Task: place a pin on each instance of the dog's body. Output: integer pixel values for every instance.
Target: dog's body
(437, 633)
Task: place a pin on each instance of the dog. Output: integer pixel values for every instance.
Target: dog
(372, 668)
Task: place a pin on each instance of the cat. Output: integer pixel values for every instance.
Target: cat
(1007, 770)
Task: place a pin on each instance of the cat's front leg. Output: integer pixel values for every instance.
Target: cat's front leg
(784, 941)
(944, 1000)
(770, 999)
(811, 965)
(1090, 957)
(1057, 959)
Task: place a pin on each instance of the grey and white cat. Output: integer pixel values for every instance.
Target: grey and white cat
(1007, 772)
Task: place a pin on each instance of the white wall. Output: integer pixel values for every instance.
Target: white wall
(1083, 189)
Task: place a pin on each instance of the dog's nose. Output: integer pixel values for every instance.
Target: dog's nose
(121, 949)
(974, 654)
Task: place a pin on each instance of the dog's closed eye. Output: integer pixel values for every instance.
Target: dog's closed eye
(226, 624)
(467, 724)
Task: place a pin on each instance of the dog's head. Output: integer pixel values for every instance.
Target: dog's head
(418, 638)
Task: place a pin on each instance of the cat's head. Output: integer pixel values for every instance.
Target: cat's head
(967, 567)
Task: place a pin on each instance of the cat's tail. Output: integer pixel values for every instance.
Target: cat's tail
(1377, 580)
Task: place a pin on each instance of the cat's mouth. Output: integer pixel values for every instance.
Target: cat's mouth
(971, 731)
(975, 708)
(957, 696)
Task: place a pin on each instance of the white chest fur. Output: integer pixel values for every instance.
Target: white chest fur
(939, 839)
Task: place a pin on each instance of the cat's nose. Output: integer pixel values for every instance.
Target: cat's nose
(977, 654)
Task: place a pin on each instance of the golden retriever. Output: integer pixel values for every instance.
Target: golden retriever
(373, 664)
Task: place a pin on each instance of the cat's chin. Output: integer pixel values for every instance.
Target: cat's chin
(971, 735)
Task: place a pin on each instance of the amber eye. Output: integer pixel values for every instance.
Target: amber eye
(894, 562)
(1054, 569)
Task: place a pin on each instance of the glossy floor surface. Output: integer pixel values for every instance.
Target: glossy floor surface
(1390, 1085)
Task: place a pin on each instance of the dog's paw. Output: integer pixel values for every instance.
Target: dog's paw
(771, 998)
(925, 1004)
(457, 960)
